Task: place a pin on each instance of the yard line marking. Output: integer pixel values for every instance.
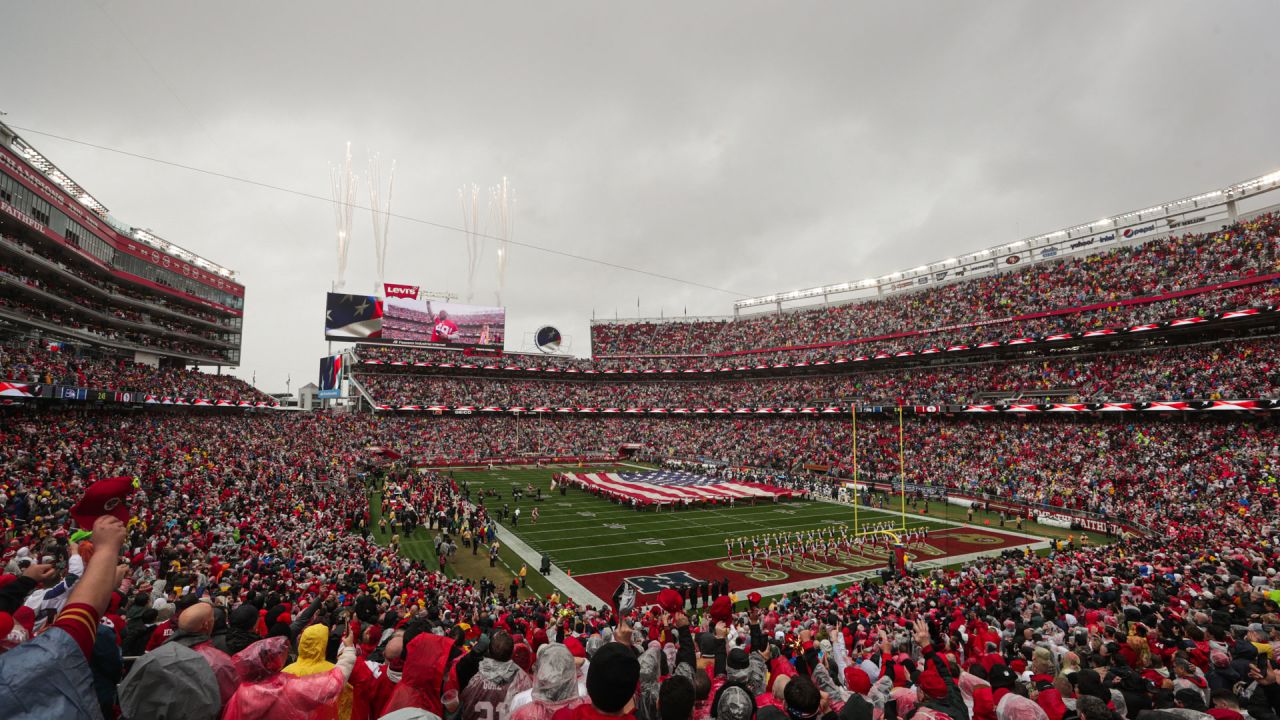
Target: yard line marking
(564, 522)
(674, 538)
(556, 548)
(676, 516)
(726, 522)
(814, 520)
(566, 561)
(785, 527)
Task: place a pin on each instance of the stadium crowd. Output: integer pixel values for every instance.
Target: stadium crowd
(111, 288)
(240, 579)
(36, 361)
(1157, 267)
(1204, 305)
(92, 326)
(1232, 370)
(111, 315)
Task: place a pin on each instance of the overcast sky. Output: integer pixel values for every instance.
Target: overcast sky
(755, 147)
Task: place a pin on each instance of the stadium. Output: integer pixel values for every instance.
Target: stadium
(1036, 480)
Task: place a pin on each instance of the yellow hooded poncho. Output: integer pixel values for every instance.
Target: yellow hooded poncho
(311, 647)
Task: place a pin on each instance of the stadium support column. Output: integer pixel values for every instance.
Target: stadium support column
(1232, 213)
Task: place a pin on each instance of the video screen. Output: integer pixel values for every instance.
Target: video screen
(331, 374)
(352, 317)
(404, 321)
(446, 323)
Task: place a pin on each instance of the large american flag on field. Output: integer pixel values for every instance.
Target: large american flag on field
(668, 487)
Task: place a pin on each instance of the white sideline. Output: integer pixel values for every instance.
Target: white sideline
(573, 589)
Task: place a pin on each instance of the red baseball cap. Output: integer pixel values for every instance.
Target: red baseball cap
(105, 497)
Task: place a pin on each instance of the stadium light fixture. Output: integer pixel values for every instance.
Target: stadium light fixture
(150, 238)
(51, 171)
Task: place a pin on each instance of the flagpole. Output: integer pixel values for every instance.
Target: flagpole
(902, 469)
(853, 411)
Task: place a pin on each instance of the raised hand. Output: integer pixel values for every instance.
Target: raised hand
(624, 632)
(39, 573)
(108, 533)
(920, 632)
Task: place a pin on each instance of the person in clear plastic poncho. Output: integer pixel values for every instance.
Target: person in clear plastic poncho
(555, 684)
(267, 693)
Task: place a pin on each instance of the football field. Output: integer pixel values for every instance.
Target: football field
(600, 543)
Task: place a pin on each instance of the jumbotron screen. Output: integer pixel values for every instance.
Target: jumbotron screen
(404, 321)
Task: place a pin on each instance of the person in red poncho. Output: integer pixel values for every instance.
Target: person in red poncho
(426, 659)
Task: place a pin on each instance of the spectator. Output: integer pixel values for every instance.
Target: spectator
(49, 676)
(267, 693)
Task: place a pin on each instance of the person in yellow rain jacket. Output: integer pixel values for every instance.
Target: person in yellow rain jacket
(311, 647)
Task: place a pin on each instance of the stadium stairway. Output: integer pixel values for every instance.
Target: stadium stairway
(360, 388)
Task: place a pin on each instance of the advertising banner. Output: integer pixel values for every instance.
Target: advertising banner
(408, 292)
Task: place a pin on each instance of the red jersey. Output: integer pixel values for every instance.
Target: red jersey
(162, 633)
(444, 330)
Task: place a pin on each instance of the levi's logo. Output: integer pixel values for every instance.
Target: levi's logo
(403, 291)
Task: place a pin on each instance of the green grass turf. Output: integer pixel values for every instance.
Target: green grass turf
(575, 529)
(420, 546)
(587, 534)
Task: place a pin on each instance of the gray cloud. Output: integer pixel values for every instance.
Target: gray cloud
(751, 146)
